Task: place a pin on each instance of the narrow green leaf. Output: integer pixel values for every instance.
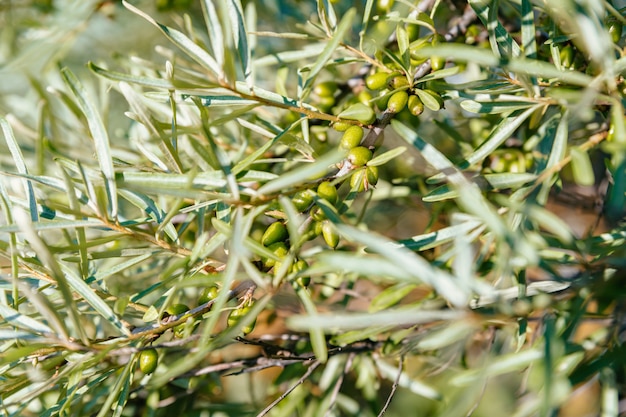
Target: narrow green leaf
(131, 78)
(302, 174)
(198, 54)
(216, 33)
(337, 322)
(415, 266)
(318, 341)
(498, 136)
(431, 102)
(238, 28)
(100, 137)
(441, 236)
(497, 33)
(386, 157)
(20, 164)
(493, 107)
(331, 47)
(15, 318)
(390, 296)
(581, 167)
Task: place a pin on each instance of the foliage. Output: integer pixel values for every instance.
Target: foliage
(198, 213)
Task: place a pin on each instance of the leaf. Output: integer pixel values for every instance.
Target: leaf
(198, 54)
(14, 318)
(301, 174)
(434, 239)
(502, 43)
(498, 136)
(216, 33)
(318, 341)
(493, 107)
(341, 322)
(20, 164)
(131, 78)
(390, 296)
(525, 66)
(100, 137)
(581, 167)
(386, 157)
(414, 266)
(238, 28)
(359, 112)
(430, 101)
(331, 47)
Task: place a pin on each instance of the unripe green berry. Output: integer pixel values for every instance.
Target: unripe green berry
(351, 138)
(279, 249)
(566, 54)
(415, 105)
(359, 156)
(176, 309)
(615, 29)
(275, 232)
(300, 266)
(364, 97)
(437, 63)
(208, 294)
(318, 214)
(341, 126)
(328, 192)
(236, 315)
(330, 235)
(302, 200)
(397, 81)
(397, 101)
(377, 80)
(363, 180)
(325, 89)
(148, 360)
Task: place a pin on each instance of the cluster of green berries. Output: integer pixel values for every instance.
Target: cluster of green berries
(276, 239)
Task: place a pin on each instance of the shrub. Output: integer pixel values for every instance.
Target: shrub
(362, 208)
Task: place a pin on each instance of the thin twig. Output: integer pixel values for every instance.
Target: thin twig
(308, 373)
(339, 383)
(394, 387)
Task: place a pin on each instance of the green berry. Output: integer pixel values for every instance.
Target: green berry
(318, 214)
(300, 266)
(415, 105)
(330, 235)
(325, 89)
(566, 54)
(396, 81)
(275, 232)
(397, 101)
(359, 156)
(437, 63)
(341, 126)
(615, 29)
(384, 6)
(327, 191)
(176, 309)
(148, 360)
(279, 249)
(377, 80)
(364, 179)
(236, 315)
(302, 200)
(208, 294)
(351, 138)
(364, 97)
